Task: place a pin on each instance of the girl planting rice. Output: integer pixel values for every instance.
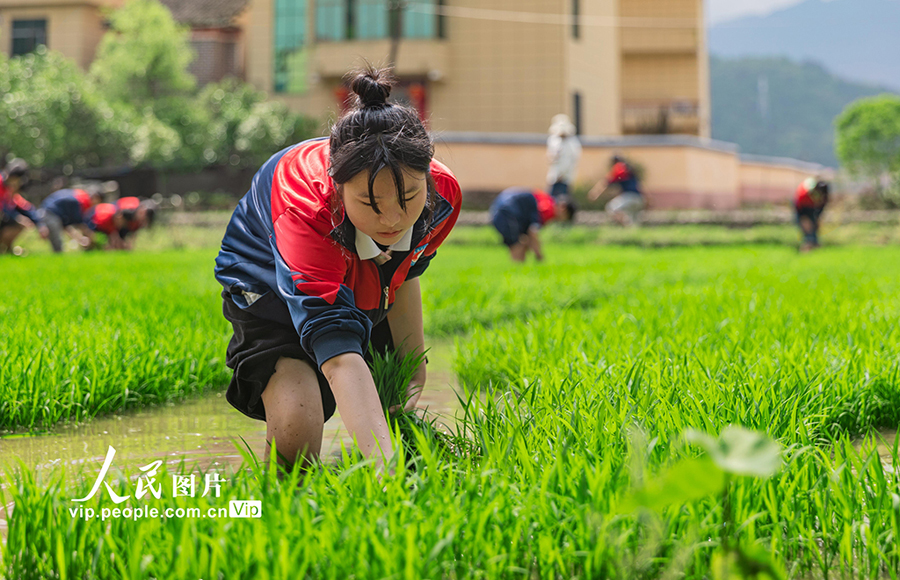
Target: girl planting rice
(323, 256)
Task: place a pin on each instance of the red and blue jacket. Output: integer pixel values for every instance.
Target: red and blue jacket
(622, 175)
(102, 218)
(527, 206)
(69, 204)
(807, 199)
(289, 236)
(12, 204)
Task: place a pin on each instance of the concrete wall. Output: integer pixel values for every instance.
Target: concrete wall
(680, 172)
(773, 181)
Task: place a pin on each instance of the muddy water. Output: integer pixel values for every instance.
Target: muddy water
(204, 430)
(880, 441)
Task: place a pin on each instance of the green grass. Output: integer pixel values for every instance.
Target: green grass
(585, 374)
(85, 334)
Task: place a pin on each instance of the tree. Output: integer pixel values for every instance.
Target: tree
(52, 117)
(245, 129)
(868, 139)
(142, 69)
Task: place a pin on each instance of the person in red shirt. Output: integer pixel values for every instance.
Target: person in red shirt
(15, 210)
(809, 203)
(64, 211)
(120, 221)
(625, 207)
(320, 264)
(518, 213)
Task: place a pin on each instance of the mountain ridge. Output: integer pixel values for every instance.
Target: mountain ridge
(854, 39)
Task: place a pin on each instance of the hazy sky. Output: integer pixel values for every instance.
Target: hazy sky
(720, 10)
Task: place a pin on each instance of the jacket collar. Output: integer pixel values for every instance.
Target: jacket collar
(366, 248)
(346, 233)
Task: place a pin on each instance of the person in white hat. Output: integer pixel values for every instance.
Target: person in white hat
(563, 153)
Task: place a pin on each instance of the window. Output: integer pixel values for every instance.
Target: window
(576, 109)
(331, 19)
(576, 17)
(420, 19)
(290, 43)
(28, 35)
(370, 19)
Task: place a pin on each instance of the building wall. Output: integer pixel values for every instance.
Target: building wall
(73, 28)
(665, 82)
(774, 182)
(687, 173)
(594, 68)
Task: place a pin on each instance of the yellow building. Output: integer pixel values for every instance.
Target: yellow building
(615, 66)
(71, 27)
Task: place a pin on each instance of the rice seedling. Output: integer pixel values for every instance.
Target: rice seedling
(564, 363)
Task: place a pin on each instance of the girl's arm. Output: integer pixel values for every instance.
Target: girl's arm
(359, 405)
(405, 320)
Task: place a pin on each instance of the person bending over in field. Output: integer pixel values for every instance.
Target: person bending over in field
(65, 211)
(809, 203)
(15, 211)
(321, 257)
(121, 221)
(518, 213)
(625, 207)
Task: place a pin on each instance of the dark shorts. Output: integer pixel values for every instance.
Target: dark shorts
(812, 213)
(559, 188)
(508, 226)
(263, 333)
(7, 220)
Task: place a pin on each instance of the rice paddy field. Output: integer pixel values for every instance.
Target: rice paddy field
(723, 412)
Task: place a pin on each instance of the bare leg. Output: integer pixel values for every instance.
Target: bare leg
(518, 251)
(7, 235)
(294, 415)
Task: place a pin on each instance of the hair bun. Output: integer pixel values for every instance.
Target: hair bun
(373, 87)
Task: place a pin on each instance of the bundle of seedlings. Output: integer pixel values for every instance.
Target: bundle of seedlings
(393, 373)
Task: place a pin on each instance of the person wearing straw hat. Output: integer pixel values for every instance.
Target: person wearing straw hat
(809, 203)
(563, 153)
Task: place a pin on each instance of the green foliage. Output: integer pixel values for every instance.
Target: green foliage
(803, 101)
(143, 59)
(564, 361)
(131, 330)
(245, 129)
(51, 116)
(740, 451)
(868, 138)
(139, 105)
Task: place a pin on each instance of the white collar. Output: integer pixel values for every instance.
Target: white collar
(366, 248)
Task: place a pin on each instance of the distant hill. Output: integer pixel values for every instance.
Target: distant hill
(772, 106)
(856, 39)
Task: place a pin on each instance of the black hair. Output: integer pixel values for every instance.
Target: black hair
(374, 134)
(823, 187)
(16, 168)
